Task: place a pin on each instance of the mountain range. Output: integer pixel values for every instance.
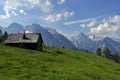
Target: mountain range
(80, 42)
(91, 43)
(50, 36)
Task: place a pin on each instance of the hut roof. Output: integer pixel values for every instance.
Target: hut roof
(23, 38)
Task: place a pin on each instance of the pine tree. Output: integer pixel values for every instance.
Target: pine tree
(6, 34)
(86, 51)
(0, 32)
(0, 36)
(98, 52)
(107, 53)
(3, 37)
(116, 58)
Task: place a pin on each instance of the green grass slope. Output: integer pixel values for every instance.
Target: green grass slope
(55, 64)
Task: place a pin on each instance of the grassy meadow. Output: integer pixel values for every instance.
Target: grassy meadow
(55, 64)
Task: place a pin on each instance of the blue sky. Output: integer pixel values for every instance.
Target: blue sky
(69, 17)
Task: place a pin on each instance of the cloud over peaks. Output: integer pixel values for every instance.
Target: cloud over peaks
(109, 27)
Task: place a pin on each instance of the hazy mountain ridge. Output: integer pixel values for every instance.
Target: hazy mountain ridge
(15, 28)
(85, 42)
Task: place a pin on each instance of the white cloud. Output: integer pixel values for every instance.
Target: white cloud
(68, 14)
(22, 12)
(59, 16)
(90, 24)
(10, 7)
(14, 7)
(83, 25)
(7, 15)
(14, 13)
(61, 2)
(45, 5)
(109, 27)
(80, 21)
(53, 18)
(2, 17)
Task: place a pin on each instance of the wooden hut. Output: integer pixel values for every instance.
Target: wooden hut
(26, 40)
